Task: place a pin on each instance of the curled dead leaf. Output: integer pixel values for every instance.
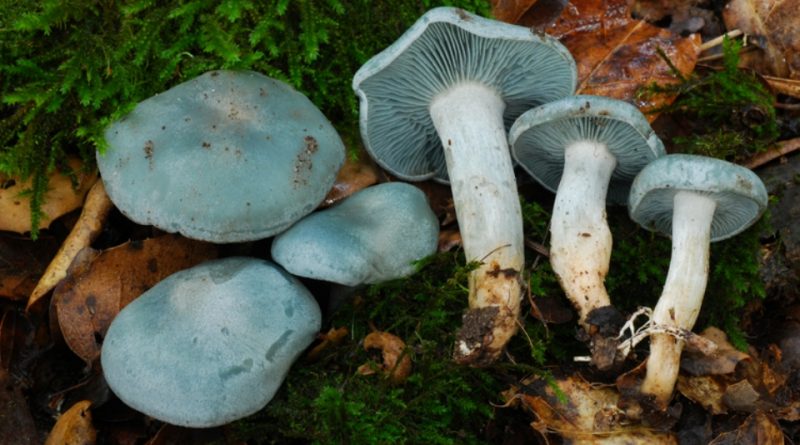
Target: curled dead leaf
(100, 284)
(396, 366)
(88, 227)
(333, 337)
(62, 197)
(74, 427)
(582, 412)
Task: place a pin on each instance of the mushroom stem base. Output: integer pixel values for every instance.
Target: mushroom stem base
(469, 121)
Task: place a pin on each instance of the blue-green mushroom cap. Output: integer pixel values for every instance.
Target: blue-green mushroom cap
(445, 47)
(210, 344)
(228, 156)
(740, 194)
(372, 236)
(539, 136)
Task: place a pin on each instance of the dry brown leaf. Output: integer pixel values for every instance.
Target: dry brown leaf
(98, 287)
(535, 13)
(788, 87)
(759, 429)
(89, 225)
(61, 198)
(707, 391)
(617, 55)
(722, 360)
(333, 337)
(589, 415)
(22, 263)
(74, 427)
(396, 366)
(355, 174)
(16, 423)
(772, 26)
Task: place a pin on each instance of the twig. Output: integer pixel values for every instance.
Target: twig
(716, 41)
(782, 149)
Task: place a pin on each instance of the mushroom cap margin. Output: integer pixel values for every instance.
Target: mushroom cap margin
(539, 136)
(740, 194)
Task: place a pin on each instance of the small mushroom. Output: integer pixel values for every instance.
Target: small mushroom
(210, 344)
(228, 156)
(436, 104)
(372, 236)
(587, 149)
(698, 200)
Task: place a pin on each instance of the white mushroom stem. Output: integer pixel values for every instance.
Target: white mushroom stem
(683, 291)
(469, 120)
(580, 244)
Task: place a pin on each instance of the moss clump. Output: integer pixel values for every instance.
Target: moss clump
(70, 67)
(730, 112)
(328, 401)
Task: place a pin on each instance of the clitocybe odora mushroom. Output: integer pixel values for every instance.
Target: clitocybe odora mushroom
(228, 156)
(587, 149)
(210, 344)
(697, 200)
(436, 104)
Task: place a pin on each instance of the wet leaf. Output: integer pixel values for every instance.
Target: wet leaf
(355, 174)
(99, 285)
(396, 366)
(74, 427)
(582, 412)
(536, 13)
(60, 198)
(617, 55)
(772, 26)
(16, 422)
(88, 227)
(22, 263)
(759, 429)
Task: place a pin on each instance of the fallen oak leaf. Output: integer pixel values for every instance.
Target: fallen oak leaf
(74, 427)
(99, 286)
(88, 227)
(617, 56)
(396, 366)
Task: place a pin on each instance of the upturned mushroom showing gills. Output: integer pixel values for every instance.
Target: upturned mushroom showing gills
(436, 104)
(210, 344)
(228, 156)
(587, 149)
(696, 200)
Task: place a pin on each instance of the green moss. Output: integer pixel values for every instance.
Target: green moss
(730, 110)
(328, 401)
(70, 67)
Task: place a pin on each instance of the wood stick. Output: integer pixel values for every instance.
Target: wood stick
(782, 148)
